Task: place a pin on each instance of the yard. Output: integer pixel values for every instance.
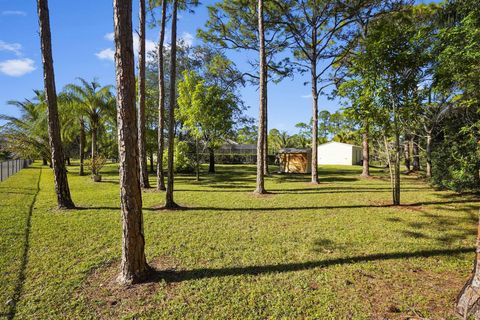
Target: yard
(333, 251)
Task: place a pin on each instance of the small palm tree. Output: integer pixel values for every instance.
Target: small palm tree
(27, 135)
(95, 102)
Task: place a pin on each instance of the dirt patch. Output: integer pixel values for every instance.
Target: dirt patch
(413, 294)
(110, 300)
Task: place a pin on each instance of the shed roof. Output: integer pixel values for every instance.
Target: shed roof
(336, 142)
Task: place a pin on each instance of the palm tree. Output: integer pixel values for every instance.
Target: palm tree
(95, 102)
(134, 267)
(58, 161)
(27, 135)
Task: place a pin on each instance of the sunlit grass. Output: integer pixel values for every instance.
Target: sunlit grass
(336, 250)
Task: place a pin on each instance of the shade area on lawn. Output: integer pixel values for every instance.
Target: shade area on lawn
(336, 250)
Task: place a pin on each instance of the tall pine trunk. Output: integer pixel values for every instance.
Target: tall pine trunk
(134, 267)
(429, 155)
(161, 101)
(169, 202)
(406, 153)
(82, 147)
(314, 123)
(260, 188)
(265, 127)
(152, 166)
(396, 180)
(366, 151)
(142, 140)
(415, 153)
(211, 167)
(468, 301)
(62, 189)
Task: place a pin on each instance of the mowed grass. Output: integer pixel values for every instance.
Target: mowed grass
(332, 251)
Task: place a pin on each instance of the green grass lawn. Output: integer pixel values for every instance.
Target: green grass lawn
(333, 251)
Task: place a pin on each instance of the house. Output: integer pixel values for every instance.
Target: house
(339, 153)
(294, 160)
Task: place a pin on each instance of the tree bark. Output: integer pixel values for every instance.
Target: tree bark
(314, 123)
(211, 167)
(366, 151)
(161, 101)
(406, 153)
(62, 189)
(260, 188)
(396, 185)
(134, 267)
(142, 140)
(94, 147)
(44, 162)
(152, 166)
(197, 161)
(169, 202)
(429, 155)
(416, 155)
(82, 147)
(468, 301)
(265, 127)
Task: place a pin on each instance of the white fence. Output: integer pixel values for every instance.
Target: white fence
(10, 167)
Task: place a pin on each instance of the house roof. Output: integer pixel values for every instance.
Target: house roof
(336, 142)
(294, 150)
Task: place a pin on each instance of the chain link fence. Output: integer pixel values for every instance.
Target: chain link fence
(10, 167)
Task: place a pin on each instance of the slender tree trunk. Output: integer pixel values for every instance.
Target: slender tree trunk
(416, 155)
(429, 155)
(265, 135)
(62, 189)
(211, 167)
(142, 140)
(134, 267)
(314, 123)
(44, 162)
(82, 146)
(152, 166)
(197, 160)
(260, 189)
(396, 187)
(169, 202)
(468, 301)
(406, 153)
(69, 163)
(94, 147)
(366, 151)
(161, 101)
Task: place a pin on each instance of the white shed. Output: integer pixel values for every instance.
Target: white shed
(339, 153)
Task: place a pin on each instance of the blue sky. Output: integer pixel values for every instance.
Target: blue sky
(82, 47)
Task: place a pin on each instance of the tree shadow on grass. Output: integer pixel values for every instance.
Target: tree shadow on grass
(205, 273)
(17, 293)
(206, 208)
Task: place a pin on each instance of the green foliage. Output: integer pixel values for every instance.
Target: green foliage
(206, 111)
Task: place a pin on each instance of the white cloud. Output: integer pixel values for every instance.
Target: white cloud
(13, 13)
(11, 47)
(187, 38)
(149, 44)
(106, 54)
(306, 96)
(109, 53)
(17, 67)
(109, 36)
